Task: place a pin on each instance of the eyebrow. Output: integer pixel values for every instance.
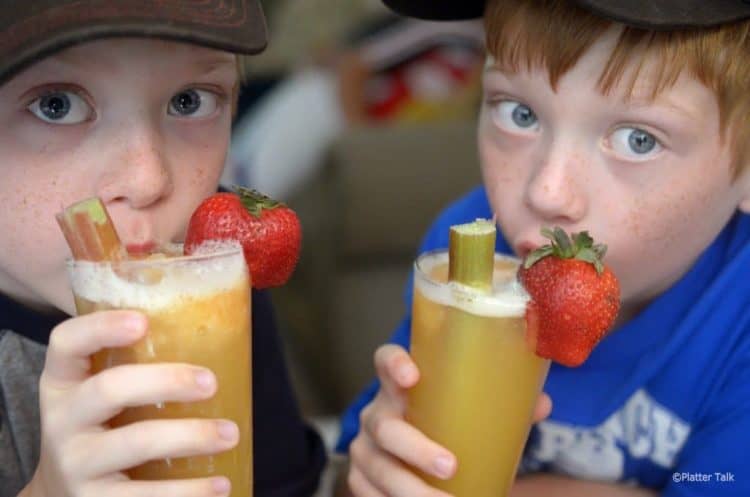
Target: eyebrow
(660, 102)
(205, 63)
(639, 99)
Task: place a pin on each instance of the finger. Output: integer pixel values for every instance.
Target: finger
(396, 370)
(359, 485)
(137, 443)
(387, 474)
(543, 407)
(73, 341)
(400, 439)
(199, 487)
(102, 396)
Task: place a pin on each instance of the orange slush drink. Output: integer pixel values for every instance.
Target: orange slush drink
(198, 309)
(479, 378)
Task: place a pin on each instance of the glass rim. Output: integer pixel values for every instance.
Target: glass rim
(225, 249)
(507, 298)
(421, 274)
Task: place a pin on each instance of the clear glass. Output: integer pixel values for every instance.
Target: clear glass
(479, 377)
(198, 309)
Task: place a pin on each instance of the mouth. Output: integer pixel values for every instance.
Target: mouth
(144, 248)
(524, 248)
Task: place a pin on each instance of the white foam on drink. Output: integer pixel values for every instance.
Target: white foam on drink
(507, 299)
(161, 285)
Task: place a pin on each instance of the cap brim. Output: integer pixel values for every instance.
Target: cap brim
(239, 27)
(438, 10)
(647, 14)
(669, 14)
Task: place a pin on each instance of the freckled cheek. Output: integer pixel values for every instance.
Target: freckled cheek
(202, 161)
(31, 234)
(503, 177)
(664, 223)
(663, 217)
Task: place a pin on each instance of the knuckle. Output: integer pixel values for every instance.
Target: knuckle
(379, 355)
(181, 378)
(69, 457)
(87, 491)
(356, 449)
(57, 423)
(57, 341)
(423, 491)
(379, 427)
(364, 415)
(210, 432)
(203, 434)
(140, 442)
(381, 473)
(99, 488)
(354, 481)
(383, 356)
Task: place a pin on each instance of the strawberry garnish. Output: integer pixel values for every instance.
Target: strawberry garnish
(575, 297)
(268, 230)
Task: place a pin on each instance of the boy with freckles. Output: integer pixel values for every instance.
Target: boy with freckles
(131, 101)
(630, 120)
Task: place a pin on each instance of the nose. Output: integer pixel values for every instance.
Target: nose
(555, 190)
(139, 174)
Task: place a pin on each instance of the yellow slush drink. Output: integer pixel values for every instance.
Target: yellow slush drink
(198, 309)
(479, 377)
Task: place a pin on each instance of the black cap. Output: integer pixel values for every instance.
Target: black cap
(32, 29)
(648, 14)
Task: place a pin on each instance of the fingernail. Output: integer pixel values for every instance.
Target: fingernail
(204, 379)
(444, 466)
(228, 431)
(221, 485)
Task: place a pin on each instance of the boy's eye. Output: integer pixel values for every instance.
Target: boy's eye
(634, 143)
(193, 103)
(61, 107)
(514, 116)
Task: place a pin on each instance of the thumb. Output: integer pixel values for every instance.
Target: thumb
(396, 370)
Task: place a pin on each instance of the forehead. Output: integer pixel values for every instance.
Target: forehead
(635, 74)
(111, 54)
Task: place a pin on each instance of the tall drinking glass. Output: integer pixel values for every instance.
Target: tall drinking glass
(479, 377)
(198, 309)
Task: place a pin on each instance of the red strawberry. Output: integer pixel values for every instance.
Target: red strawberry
(575, 298)
(268, 230)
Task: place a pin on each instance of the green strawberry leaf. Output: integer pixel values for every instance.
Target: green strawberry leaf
(600, 249)
(576, 246)
(563, 243)
(582, 240)
(538, 255)
(254, 201)
(589, 255)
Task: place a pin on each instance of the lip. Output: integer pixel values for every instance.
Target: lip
(524, 248)
(140, 248)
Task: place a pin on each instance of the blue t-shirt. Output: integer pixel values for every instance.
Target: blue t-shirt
(664, 400)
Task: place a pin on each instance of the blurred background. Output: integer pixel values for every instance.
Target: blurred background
(364, 123)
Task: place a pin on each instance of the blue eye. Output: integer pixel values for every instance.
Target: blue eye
(514, 116)
(193, 103)
(523, 116)
(55, 106)
(61, 107)
(634, 143)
